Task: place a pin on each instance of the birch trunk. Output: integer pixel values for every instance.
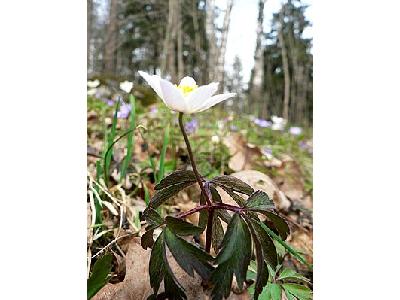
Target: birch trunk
(285, 64)
(210, 32)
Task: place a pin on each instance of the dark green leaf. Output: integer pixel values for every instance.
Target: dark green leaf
(224, 215)
(284, 244)
(147, 239)
(279, 224)
(182, 227)
(262, 270)
(267, 245)
(238, 199)
(291, 275)
(157, 268)
(217, 233)
(276, 291)
(99, 276)
(299, 291)
(152, 217)
(203, 219)
(233, 183)
(163, 195)
(216, 197)
(233, 258)
(188, 256)
(181, 176)
(259, 201)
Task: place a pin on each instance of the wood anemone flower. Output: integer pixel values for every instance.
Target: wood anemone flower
(187, 97)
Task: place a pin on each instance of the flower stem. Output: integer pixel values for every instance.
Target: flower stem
(193, 163)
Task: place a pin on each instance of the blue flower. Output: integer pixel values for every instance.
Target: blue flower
(262, 123)
(124, 111)
(191, 126)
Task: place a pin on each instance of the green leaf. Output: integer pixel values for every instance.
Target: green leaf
(99, 276)
(161, 168)
(259, 201)
(176, 177)
(284, 244)
(152, 217)
(233, 258)
(238, 199)
(289, 296)
(157, 268)
(147, 239)
(278, 223)
(299, 291)
(291, 275)
(233, 183)
(267, 245)
(163, 195)
(130, 142)
(217, 233)
(262, 270)
(181, 227)
(276, 291)
(188, 256)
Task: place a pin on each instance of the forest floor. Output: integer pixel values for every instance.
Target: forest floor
(278, 162)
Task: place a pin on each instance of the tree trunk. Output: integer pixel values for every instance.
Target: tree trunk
(89, 34)
(111, 39)
(258, 70)
(285, 64)
(210, 32)
(222, 47)
(181, 70)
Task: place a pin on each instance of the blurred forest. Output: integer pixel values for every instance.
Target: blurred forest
(182, 37)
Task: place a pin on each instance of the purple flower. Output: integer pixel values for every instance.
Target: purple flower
(107, 101)
(191, 126)
(233, 128)
(306, 146)
(295, 130)
(266, 151)
(124, 111)
(262, 123)
(153, 110)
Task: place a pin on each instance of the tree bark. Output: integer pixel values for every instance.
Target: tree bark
(222, 47)
(89, 33)
(258, 70)
(210, 32)
(181, 67)
(285, 64)
(111, 39)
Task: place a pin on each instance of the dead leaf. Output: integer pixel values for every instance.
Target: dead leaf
(290, 178)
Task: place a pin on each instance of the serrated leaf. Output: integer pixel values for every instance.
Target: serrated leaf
(259, 201)
(278, 223)
(289, 274)
(276, 291)
(284, 244)
(188, 256)
(262, 270)
(182, 227)
(238, 199)
(163, 195)
(299, 291)
(147, 239)
(234, 258)
(181, 176)
(156, 265)
(217, 234)
(233, 183)
(99, 276)
(152, 217)
(267, 245)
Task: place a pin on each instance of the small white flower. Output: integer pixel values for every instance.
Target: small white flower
(187, 97)
(93, 84)
(295, 130)
(92, 92)
(278, 123)
(126, 86)
(215, 139)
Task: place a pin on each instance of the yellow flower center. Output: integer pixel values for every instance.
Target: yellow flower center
(187, 89)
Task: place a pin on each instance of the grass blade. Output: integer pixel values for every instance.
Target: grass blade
(130, 142)
(161, 169)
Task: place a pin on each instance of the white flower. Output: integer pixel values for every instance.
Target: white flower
(278, 123)
(92, 92)
(93, 84)
(126, 86)
(295, 130)
(215, 139)
(187, 97)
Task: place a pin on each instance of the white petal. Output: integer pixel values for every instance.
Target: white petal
(153, 81)
(172, 97)
(198, 97)
(188, 81)
(215, 100)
